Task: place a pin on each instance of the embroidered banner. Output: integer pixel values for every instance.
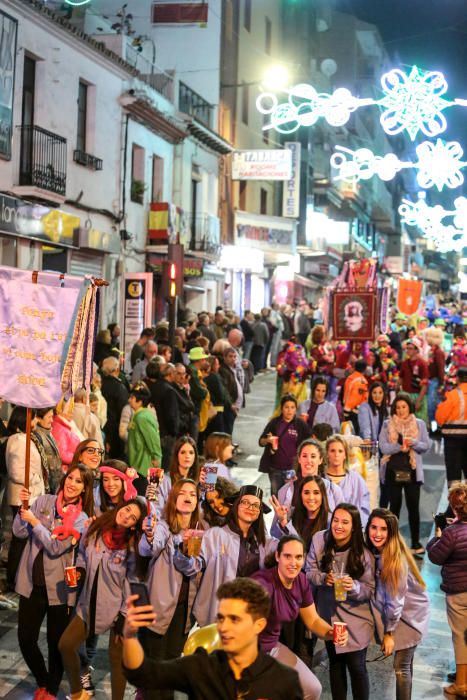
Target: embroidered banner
(409, 294)
(36, 321)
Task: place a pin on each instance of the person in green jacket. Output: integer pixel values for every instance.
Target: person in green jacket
(144, 444)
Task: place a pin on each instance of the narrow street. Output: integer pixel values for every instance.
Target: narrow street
(433, 658)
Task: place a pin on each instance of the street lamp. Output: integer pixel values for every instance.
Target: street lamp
(276, 77)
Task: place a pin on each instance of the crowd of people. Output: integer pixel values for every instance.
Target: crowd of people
(133, 483)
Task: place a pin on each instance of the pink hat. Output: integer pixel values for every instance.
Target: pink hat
(415, 342)
(127, 477)
(383, 338)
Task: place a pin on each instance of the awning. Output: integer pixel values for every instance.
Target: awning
(208, 137)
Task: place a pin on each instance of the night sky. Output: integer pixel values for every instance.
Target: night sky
(429, 33)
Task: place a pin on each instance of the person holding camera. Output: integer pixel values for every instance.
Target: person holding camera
(448, 548)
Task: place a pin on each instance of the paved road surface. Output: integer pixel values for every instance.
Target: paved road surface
(433, 658)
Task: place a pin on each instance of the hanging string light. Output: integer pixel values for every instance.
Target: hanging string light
(430, 220)
(438, 165)
(413, 102)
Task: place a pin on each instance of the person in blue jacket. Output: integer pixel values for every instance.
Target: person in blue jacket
(52, 526)
(107, 560)
(401, 605)
(373, 413)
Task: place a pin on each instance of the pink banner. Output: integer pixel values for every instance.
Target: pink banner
(34, 325)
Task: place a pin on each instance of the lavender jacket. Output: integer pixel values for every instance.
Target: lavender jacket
(450, 551)
(420, 446)
(405, 613)
(325, 413)
(355, 491)
(355, 611)
(114, 568)
(285, 496)
(368, 422)
(164, 580)
(219, 559)
(57, 553)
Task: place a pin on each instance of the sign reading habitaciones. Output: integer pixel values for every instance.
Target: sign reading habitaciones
(35, 321)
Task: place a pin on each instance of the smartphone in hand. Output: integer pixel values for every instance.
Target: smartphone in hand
(141, 590)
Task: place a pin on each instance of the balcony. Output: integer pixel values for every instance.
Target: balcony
(42, 164)
(189, 102)
(87, 160)
(206, 234)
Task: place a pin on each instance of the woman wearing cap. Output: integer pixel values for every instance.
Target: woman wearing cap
(51, 527)
(237, 549)
(340, 551)
(310, 462)
(280, 439)
(401, 604)
(170, 592)
(318, 409)
(403, 440)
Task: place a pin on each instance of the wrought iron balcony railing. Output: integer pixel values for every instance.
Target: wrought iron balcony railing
(43, 159)
(191, 103)
(87, 160)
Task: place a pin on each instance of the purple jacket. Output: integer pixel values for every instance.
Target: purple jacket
(450, 552)
(355, 491)
(406, 612)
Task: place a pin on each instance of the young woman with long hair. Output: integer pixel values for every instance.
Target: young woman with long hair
(107, 559)
(401, 603)
(309, 462)
(310, 515)
(90, 453)
(50, 527)
(373, 413)
(338, 555)
(184, 464)
(291, 599)
(216, 505)
(403, 440)
(170, 592)
(318, 409)
(353, 486)
(237, 549)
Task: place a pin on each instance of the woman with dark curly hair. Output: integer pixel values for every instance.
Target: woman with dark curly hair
(215, 507)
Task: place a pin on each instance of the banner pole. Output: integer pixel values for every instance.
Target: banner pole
(27, 458)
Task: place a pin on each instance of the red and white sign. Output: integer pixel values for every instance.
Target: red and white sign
(265, 164)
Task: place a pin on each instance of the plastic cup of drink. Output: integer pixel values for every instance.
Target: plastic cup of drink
(339, 591)
(193, 542)
(275, 442)
(71, 576)
(337, 629)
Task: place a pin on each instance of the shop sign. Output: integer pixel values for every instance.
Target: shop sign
(291, 190)
(264, 164)
(192, 267)
(268, 233)
(38, 222)
(8, 32)
(137, 311)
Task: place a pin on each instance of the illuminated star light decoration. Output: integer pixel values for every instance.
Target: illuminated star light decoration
(439, 164)
(446, 237)
(412, 102)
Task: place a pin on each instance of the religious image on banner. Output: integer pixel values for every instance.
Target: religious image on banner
(354, 315)
(409, 294)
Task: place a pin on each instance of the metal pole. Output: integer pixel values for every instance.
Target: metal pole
(172, 322)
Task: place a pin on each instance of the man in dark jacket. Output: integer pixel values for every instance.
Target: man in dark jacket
(239, 670)
(186, 408)
(205, 330)
(165, 401)
(116, 394)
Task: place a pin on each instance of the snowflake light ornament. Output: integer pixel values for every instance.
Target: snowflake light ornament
(414, 102)
(438, 165)
(446, 237)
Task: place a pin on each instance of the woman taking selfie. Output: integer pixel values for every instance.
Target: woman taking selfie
(51, 527)
(343, 572)
(403, 440)
(401, 603)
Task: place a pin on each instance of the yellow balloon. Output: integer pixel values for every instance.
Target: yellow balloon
(206, 637)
